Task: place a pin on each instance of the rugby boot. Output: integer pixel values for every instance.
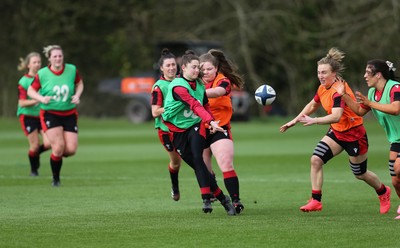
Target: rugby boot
(311, 206)
(229, 208)
(384, 201)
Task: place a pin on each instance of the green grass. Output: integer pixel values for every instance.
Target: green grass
(116, 193)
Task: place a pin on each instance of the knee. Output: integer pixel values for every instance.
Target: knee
(34, 147)
(69, 151)
(226, 167)
(359, 170)
(396, 182)
(197, 156)
(322, 154)
(174, 165)
(396, 171)
(58, 149)
(175, 160)
(316, 162)
(360, 177)
(225, 161)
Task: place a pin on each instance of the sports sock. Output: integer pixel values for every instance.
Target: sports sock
(56, 163)
(316, 195)
(219, 195)
(232, 184)
(205, 193)
(174, 178)
(381, 190)
(34, 160)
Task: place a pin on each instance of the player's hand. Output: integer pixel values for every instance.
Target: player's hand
(307, 120)
(288, 125)
(75, 99)
(339, 86)
(362, 99)
(46, 99)
(214, 127)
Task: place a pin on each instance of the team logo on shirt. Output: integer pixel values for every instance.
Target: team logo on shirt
(189, 113)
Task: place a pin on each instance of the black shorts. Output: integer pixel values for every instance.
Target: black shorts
(68, 122)
(353, 148)
(187, 144)
(213, 137)
(166, 140)
(395, 147)
(30, 123)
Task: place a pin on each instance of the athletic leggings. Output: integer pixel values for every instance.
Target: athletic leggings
(190, 145)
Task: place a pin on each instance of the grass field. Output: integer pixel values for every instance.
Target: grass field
(115, 192)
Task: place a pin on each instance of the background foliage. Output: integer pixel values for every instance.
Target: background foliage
(275, 42)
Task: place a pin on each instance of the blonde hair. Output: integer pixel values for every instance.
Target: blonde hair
(334, 59)
(47, 49)
(23, 63)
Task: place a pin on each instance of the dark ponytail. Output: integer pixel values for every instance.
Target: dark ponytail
(386, 68)
(165, 54)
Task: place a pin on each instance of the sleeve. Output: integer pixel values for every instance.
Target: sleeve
(77, 77)
(36, 83)
(157, 96)
(226, 84)
(182, 94)
(316, 98)
(395, 93)
(337, 101)
(22, 93)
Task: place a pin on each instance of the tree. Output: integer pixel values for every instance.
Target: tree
(274, 42)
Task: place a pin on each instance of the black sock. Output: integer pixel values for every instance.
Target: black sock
(34, 161)
(220, 195)
(316, 195)
(56, 164)
(381, 190)
(174, 179)
(232, 185)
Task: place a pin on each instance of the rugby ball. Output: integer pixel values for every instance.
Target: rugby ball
(265, 95)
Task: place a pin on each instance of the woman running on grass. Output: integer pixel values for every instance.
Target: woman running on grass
(168, 68)
(28, 112)
(58, 87)
(346, 132)
(384, 102)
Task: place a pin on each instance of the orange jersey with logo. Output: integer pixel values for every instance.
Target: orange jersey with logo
(349, 119)
(221, 107)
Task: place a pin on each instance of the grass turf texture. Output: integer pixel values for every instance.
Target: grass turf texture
(115, 192)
